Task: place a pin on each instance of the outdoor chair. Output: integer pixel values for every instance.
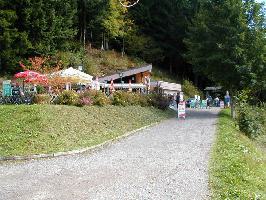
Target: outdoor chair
(203, 104)
(192, 104)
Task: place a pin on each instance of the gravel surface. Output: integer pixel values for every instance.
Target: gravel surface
(166, 161)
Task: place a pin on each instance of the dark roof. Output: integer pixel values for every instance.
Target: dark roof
(126, 73)
(213, 88)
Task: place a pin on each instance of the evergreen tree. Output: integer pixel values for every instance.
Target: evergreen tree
(216, 41)
(224, 47)
(13, 43)
(166, 23)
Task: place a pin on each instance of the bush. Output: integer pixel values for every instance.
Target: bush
(100, 99)
(143, 100)
(251, 120)
(97, 97)
(85, 101)
(123, 98)
(158, 101)
(41, 99)
(40, 89)
(68, 97)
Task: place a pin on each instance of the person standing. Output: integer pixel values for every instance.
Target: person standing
(227, 100)
(177, 100)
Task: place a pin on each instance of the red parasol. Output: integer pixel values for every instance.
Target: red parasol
(27, 74)
(32, 77)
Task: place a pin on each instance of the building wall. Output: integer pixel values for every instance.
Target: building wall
(140, 76)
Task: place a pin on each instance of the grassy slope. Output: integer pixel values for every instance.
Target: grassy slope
(51, 128)
(238, 165)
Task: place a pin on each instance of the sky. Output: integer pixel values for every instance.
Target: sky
(261, 1)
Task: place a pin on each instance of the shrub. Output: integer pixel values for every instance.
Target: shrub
(85, 101)
(97, 97)
(123, 98)
(68, 97)
(101, 99)
(40, 89)
(143, 100)
(251, 120)
(41, 99)
(159, 101)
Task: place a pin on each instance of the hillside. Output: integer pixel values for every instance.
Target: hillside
(98, 62)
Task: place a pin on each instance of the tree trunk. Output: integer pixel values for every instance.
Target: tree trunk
(232, 105)
(171, 67)
(84, 23)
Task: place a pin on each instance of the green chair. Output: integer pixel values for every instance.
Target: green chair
(203, 104)
(192, 104)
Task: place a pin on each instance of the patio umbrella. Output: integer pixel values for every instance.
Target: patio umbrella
(74, 74)
(27, 74)
(41, 79)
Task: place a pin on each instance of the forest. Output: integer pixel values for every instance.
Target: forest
(206, 41)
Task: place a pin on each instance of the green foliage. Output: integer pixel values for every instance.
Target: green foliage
(13, 42)
(30, 27)
(230, 52)
(97, 97)
(68, 97)
(98, 62)
(251, 117)
(190, 90)
(115, 20)
(41, 99)
(212, 48)
(74, 59)
(163, 75)
(40, 89)
(158, 101)
(101, 99)
(163, 24)
(35, 129)
(251, 120)
(121, 98)
(84, 101)
(237, 167)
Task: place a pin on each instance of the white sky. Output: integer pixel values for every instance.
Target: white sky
(261, 1)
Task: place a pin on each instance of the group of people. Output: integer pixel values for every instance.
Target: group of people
(210, 101)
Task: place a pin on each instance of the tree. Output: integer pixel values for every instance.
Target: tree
(217, 43)
(254, 71)
(49, 24)
(13, 43)
(166, 23)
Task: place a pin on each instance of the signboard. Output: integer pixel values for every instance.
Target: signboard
(181, 111)
(221, 104)
(7, 90)
(181, 94)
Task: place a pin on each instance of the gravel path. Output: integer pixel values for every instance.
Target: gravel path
(167, 161)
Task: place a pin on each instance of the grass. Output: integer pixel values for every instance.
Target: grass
(36, 129)
(99, 63)
(238, 164)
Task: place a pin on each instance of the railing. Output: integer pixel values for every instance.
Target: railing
(27, 99)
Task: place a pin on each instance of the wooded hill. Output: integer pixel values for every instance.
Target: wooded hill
(223, 41)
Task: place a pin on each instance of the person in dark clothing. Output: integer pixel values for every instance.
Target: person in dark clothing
(177, 99)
